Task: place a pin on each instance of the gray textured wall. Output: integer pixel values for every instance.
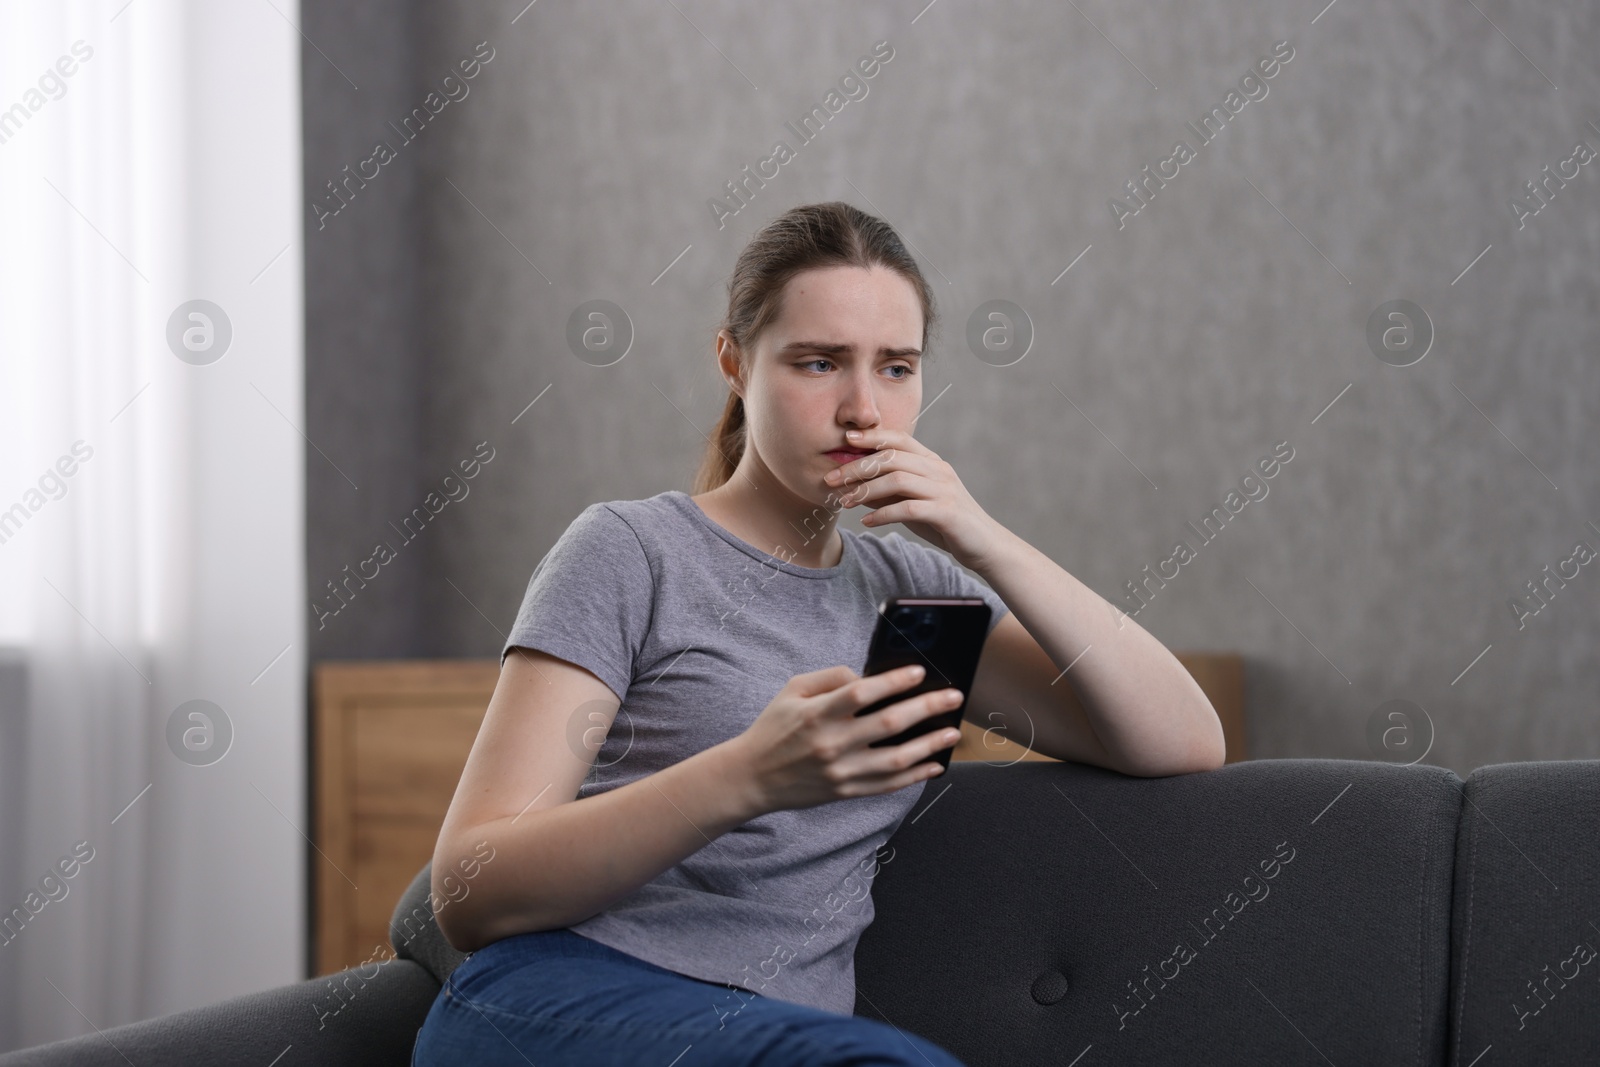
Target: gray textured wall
(366, 393)
(1223, 318)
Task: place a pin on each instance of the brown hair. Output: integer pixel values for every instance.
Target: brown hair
(807, 237)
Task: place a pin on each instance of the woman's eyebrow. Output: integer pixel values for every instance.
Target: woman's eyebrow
(838, 348)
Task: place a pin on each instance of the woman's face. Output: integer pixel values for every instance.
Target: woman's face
(844, 353)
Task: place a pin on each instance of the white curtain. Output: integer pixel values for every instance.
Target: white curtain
(151, 503)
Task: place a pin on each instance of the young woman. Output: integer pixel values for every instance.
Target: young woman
(686, 666)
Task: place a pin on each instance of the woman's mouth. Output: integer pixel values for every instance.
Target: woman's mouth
(845, 455)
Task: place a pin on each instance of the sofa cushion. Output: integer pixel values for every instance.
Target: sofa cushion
(1526, 946)
(1271, 911)
(367, 1016)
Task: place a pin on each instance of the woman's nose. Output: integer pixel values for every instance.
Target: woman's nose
(860, 407)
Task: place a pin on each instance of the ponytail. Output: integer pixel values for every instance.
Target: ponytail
(725, 448)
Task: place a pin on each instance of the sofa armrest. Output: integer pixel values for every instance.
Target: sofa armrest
(414, 932)
(367, 1015)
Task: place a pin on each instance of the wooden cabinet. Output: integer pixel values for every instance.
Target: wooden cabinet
(390, 738)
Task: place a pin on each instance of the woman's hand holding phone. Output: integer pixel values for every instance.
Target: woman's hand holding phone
(808, 747)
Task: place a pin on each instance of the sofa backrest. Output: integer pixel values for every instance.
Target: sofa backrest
(1526, 928)
(1272, 911)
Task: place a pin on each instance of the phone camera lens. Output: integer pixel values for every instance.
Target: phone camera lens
(914, 628)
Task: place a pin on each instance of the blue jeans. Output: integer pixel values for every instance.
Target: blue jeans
(554, 998)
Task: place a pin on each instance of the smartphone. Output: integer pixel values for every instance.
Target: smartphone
(946, 637)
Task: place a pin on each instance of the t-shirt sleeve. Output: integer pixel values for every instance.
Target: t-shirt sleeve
(935, 573)
(590, 599)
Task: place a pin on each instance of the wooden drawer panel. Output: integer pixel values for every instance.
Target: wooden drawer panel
(391, 737)
(406, 755)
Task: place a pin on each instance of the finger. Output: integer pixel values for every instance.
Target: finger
(929, 744)
(877, 761)
(827, 680)
(906, 511)
(919, 772)
(903, 714)
(877, 464)
(889, 488)
(880, 437)
(847, 699)
(869, 466)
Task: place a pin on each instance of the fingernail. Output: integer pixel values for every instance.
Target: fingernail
(852, 434)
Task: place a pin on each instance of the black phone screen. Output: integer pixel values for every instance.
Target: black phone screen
(945, 636)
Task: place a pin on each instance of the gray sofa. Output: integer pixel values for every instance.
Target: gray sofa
(1276, 911)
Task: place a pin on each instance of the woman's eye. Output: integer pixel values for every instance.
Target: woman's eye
(904, 368)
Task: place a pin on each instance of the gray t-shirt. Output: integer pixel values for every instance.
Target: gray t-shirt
(696, 631)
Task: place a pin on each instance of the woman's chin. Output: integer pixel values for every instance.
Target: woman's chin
(830, 500)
